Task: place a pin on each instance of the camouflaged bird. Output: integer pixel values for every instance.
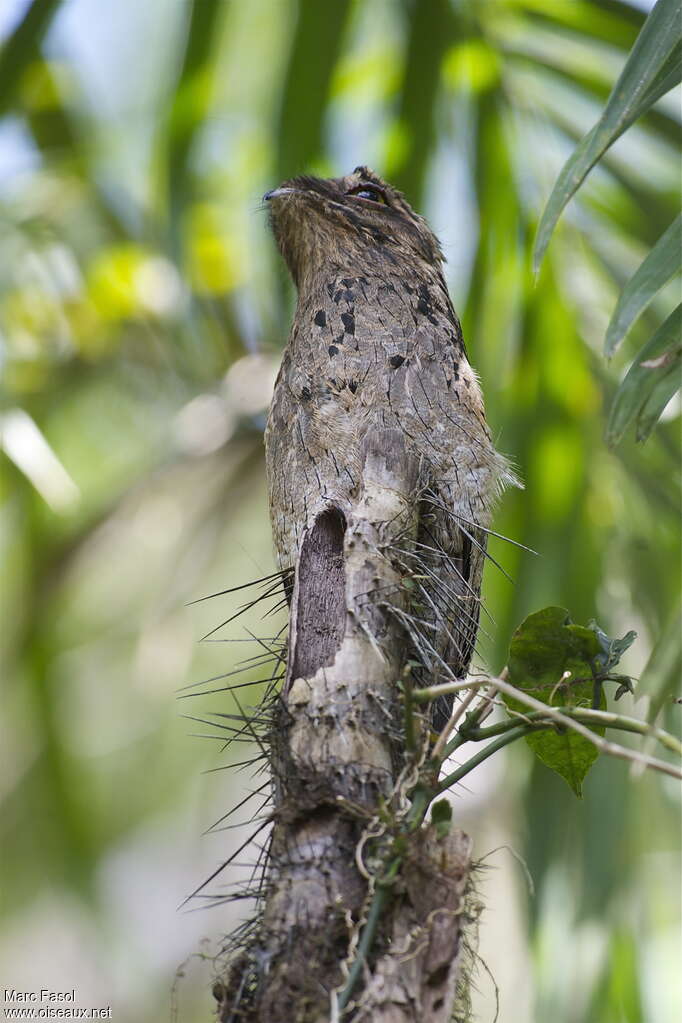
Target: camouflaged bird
(376, 343)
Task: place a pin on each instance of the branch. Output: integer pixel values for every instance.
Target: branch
(586, 715)
(568, 717)
(514, 733)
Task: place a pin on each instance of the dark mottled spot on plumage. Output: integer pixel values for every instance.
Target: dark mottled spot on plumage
(352, 385)
(396, 361)
(321, 318)
(348, 321)
(333, 350)
(339, 339)
(347, 281)
(306, 394)
(425, 304)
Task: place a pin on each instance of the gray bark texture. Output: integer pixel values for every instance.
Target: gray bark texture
(382, 477)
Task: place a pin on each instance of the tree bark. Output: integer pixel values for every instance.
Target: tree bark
(339, 762)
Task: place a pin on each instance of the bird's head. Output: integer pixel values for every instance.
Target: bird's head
(356, 222)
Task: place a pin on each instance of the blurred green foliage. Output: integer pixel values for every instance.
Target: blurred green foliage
(653, 68)
(142, 313)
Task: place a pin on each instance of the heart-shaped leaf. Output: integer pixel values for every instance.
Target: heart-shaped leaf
(563, 665)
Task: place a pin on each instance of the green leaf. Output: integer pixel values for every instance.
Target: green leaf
(611, 649)
(544, 647)
(666, 386)
(669, 75)
(564, 665)
(430, 29)
(190, 104)
(661, 676)
(618, 994)
(664, 260)
(626, 686)
(23, 46)
(441, 817)
(316, 45)
(639, 393)
(653, 67)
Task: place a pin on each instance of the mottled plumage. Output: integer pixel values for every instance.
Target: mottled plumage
(376, 343)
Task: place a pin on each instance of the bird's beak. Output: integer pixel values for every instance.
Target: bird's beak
(278, 193)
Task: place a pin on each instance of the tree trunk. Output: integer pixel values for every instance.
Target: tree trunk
(340, 771)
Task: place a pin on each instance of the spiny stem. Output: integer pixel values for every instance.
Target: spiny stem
(430, 693)
(459, 710)
(628, 724)
(596, 717)
(539, 717)
(605, 746)
(566, 717)
(420, 803)
(471, 721)
(375, 910)
(517, 732)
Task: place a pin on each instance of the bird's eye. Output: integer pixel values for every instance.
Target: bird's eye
(370, 193)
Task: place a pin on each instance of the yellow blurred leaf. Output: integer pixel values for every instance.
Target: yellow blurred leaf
(472, 66)
(40, 87)
(215, 263)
